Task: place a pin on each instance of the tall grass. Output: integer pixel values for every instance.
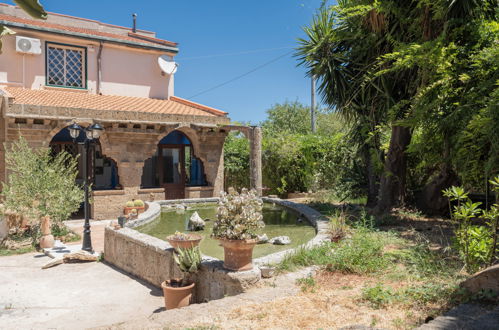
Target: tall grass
(361, 253)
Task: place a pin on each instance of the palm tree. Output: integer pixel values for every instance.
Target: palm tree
(352, 49)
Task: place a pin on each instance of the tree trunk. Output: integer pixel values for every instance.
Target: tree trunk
(392, 186)
(431, 200)
(372, 177)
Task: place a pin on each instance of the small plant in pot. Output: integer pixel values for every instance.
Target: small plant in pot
(135, 204)
(178, 292)
(182, 240)
(239, 216)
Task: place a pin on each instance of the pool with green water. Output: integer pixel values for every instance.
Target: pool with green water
(279, 221)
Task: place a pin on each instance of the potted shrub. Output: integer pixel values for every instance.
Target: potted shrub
(178, 292)
(181, 240)
(135, 204)
(239, 216)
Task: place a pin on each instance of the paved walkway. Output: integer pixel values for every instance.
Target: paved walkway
(96, 232)
(69, 296)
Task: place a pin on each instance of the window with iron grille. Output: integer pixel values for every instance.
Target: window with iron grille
(66, 66)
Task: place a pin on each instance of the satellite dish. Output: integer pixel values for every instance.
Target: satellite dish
(167, 64)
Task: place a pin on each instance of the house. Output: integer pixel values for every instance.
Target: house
(155, 145)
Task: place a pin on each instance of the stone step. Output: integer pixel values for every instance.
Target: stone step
(466, 317)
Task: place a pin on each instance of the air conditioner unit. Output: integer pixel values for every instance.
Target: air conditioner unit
(28, 45)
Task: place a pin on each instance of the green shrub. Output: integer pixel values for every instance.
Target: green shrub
(360, 254)
(377, 296)
(476, 243)
(129, 204)
(41, 184)
(236, 161)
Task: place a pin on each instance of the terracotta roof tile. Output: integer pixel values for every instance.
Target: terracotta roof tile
(130, 37)
(71, 99)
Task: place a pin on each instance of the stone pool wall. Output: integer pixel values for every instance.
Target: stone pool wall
(151, 260)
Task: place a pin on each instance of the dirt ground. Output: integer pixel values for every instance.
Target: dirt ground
(281, 303)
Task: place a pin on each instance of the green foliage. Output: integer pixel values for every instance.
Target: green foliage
(378, 296)
(41, 184)
(60, 230)
(476, 243)
(432, 67)
(294, 118)
(8, 252)
(188, 259)
(236, 160)
(129, 204)
(239, 215)
(3, 32)
(311, 162)
(296, 160)
(33, 8)
(307, 284)
(360, 254)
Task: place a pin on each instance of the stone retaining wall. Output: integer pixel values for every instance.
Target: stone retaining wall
(151, 259)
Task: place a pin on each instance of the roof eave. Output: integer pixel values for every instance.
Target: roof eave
(170, 49)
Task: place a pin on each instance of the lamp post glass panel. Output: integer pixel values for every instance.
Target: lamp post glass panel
(91, 133)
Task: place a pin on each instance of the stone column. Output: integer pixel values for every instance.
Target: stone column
(255, 137)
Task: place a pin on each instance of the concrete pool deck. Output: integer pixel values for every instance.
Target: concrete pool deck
(70, 296)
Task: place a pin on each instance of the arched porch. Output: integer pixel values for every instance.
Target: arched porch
(174, 167)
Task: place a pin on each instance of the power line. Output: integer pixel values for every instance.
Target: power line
(242, 75)
(231, 54)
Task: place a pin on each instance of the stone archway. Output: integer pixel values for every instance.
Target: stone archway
(175, 164)
(103, 170)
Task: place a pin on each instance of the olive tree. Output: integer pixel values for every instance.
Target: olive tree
(40, 184)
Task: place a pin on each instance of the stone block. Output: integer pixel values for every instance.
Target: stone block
(487, 279)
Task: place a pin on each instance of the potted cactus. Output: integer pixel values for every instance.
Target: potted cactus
(182, 240)
(239, 216)
(178, 292)
(135, 204)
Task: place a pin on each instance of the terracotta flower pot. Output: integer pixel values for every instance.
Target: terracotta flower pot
(176, 297)
(140, 209)
(238, 254)
(193, 241)
(46, 240)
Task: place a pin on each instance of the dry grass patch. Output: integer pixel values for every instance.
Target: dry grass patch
(334, 302)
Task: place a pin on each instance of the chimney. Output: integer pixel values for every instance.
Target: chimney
(134, 28)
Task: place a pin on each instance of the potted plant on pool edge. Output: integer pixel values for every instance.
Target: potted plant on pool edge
(182, 240)
(178, 292)
(239, 216)
(135, 206)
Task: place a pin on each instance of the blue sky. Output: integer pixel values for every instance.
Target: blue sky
(216, 27)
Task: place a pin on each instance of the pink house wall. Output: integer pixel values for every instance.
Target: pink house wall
(126, 71)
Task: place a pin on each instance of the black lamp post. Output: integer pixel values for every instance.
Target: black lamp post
(91, 133)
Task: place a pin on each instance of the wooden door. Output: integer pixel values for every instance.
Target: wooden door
(172, 170)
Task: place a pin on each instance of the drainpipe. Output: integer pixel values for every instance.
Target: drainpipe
(99, 69)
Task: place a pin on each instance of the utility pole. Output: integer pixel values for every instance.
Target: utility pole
(312, 105)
